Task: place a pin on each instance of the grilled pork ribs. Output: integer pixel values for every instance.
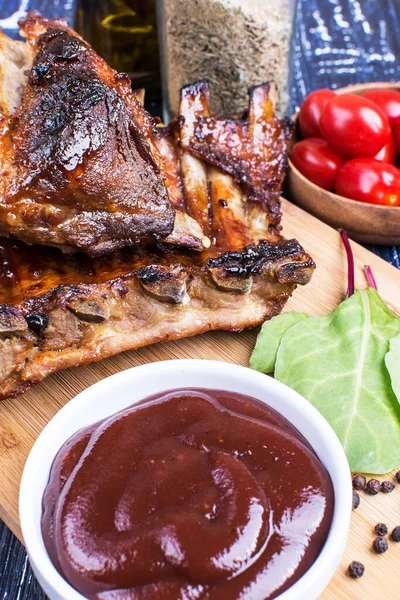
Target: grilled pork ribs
(80, 165)
(221, 262)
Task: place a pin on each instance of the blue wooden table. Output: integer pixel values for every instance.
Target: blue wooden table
(12, 10)
(336, 43)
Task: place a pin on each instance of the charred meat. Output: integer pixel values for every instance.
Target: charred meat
(220, 264)
(80, 168)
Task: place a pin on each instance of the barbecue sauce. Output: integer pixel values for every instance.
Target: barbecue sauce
(192, 494)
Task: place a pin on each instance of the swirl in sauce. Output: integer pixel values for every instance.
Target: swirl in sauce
(191, 495)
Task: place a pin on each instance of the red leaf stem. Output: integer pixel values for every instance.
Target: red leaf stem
(370, 277)
(350, 262)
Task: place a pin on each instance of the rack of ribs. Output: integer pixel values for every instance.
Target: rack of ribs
(218, 263)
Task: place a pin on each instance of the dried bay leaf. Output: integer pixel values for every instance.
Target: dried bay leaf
(337, 363)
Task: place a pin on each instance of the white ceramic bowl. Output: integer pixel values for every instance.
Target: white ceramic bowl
(123, 389)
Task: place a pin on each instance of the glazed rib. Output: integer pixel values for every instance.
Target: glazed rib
(84, 167)
(74, 312)
(223, 266)
(252, 148)
(194, 171)
(218, 193)
(81, 167)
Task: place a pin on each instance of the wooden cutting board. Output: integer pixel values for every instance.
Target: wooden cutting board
(22, 419)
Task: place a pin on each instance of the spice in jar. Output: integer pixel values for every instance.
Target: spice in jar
(233, 43)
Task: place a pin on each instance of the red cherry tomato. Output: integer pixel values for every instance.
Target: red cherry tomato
(368, 180)
(388, 152)
(397, 135)
(388, 101)
(354, 126)
(311, 110)
(317, 161)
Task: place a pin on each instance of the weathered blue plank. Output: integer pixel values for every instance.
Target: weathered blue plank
(12, 10)
(342, 42)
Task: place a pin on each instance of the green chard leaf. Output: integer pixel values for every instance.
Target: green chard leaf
(392, 360)
(263, 357)
(337, 363)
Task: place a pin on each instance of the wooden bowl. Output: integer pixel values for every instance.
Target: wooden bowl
(364, 222)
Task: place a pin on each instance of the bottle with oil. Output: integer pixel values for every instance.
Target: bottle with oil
(124, 33)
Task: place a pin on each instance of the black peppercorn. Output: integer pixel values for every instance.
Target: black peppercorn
(373, 486)
(387, 487)
(380, 545)
(381, 529)
(359, 482)
(395, 535)
(356, 569)
(398, 476)
(356, 500)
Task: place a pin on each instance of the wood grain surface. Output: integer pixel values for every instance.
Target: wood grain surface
(22, 419)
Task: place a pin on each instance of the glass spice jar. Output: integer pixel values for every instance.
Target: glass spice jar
(124, 33)
(234, 43)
